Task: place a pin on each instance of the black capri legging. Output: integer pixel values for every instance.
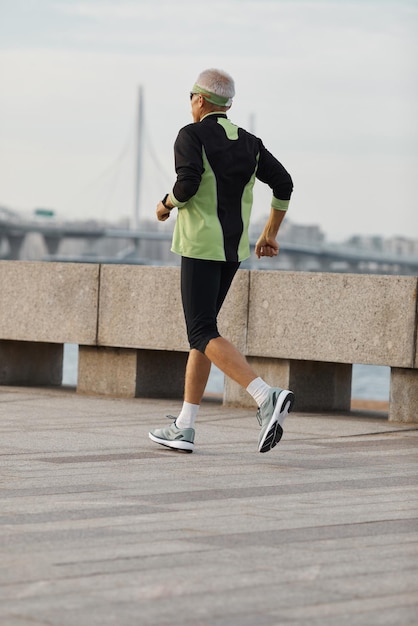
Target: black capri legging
(204, 285)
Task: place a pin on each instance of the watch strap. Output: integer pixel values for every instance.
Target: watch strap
(164, 200)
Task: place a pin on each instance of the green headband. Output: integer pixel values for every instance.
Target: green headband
(211, 97)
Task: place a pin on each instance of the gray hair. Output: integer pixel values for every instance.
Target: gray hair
(217, 82)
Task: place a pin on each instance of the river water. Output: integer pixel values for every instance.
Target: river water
(369, 382)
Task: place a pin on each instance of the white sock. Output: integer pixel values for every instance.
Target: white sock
(188, 415)
(259, 390)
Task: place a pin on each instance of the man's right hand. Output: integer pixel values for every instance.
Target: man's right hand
(266, 246)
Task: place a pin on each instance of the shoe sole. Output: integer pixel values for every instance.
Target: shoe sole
(185, 446)
(274, 430)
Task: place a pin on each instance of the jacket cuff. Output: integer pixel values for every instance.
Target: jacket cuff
(280, 205)
(174, 201)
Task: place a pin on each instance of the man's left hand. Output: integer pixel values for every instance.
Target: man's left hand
(162, 212)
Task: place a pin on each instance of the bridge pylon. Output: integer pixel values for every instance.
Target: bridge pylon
(52, 243)
(15, 242)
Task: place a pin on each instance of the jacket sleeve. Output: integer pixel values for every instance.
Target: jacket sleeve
(272, 172)
(189, 165)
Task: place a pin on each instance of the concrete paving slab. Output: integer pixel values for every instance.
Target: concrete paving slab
(101, 526)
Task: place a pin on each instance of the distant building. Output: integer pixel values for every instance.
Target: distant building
(402, 246)
(398, 246)
(293, 233)
(366, 242)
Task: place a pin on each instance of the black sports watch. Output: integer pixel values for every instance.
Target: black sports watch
(164, 200)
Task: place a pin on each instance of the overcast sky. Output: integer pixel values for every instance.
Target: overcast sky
(330, 85)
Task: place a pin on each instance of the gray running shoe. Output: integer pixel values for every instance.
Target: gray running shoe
(173, 437)
(271, 416)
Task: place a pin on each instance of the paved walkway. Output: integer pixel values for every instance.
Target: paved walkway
(99, 526)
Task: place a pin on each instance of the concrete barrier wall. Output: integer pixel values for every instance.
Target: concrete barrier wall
(140, 312)
(49, 302)
(140, 307)
(345, 318)
(43, 306)
(299, 330)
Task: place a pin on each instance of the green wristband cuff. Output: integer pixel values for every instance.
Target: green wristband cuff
(280, 205)
(174, 201)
